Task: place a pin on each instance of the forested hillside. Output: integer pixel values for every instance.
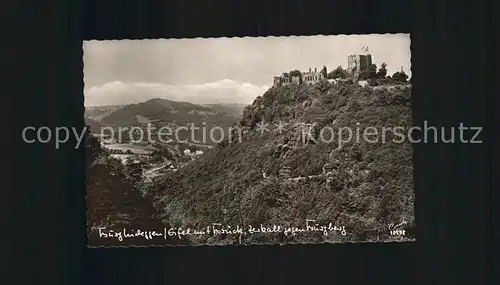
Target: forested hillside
(158, 109)
(115, 199)
(363, 186)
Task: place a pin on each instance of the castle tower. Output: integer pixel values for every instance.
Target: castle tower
(358, 63)
(277, 81)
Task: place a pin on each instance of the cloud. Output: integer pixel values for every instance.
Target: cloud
(222, 91)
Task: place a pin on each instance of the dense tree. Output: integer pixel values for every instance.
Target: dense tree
(382, 71)
(114, 196)
(324, 72)
(369, 73)
(295, 73)
(339, 72)
(400, 76)
(92, 146)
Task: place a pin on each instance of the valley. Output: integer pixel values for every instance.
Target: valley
(142, 146)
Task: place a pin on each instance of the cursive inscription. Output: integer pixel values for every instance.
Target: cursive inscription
(395, 229)
(216, 229)
(103, 233)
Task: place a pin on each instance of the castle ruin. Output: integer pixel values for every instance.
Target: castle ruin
(309, 77)
(357, 63)
(286, 79)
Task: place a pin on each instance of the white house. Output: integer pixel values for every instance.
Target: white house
(363, 83)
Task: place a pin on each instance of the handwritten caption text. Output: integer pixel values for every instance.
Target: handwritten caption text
(219, 229)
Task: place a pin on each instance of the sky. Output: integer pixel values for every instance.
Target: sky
(220, 70)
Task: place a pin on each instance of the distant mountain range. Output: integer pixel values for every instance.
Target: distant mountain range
(162, 110)
(235, 109)
(98, 112)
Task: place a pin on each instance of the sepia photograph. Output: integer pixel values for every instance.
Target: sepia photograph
(249, 141)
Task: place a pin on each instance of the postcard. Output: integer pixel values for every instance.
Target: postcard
(249, 141)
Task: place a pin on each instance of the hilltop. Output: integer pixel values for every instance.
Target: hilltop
(363, 186)
(235, 109)
(96, 113)
(162, 111)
